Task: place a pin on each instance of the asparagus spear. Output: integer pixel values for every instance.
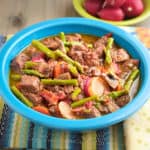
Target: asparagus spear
(62, 36)
(59, 82)
(21, 96)
(43, 49)
(108, 59)
(33, 72)
(134, 74)
(75, 93)
(64, 57)
(79, 66)
(69, 60)
(73, 70)
(83, 101)
(116, 94)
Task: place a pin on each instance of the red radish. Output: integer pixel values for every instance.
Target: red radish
(113, 3)
(94, 86)
(133, 8)
(93, 6)
(114, 14)
(66, 110)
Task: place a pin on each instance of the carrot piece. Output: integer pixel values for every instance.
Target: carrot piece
(57, 70)
(60, 68)
(49, 96)
(41, 109)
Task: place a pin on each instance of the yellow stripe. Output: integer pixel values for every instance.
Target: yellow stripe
(1, 107)
(89, 141)
(62, 140)
(16, 143)
(115, 137)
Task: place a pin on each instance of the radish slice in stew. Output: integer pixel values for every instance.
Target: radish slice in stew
(66, 110)
(94, 86)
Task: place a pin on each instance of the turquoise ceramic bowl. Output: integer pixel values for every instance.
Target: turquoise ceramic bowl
(73, 25)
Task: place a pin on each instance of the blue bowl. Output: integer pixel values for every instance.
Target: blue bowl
(73, 25)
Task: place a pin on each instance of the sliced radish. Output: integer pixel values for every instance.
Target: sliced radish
(66, 110)
(113, 3)
(114, 14)
(133, 8)
(94, 86)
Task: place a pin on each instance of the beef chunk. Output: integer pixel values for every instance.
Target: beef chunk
(76, 55)
(94, 112)
(18, 63)
(51, 43)
(29, 84)
(68, 89)
(112, 106)
(75, 37)
(64, 76)
(54, 43)
(100, 44)
(92, 71)
(31, 50)
(35, 98)
(103, 109)
(119, 55)
(44, 68)
(122, 100)
(127, 66)
(91, 59)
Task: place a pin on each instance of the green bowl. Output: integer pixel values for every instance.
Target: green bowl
(78, 5)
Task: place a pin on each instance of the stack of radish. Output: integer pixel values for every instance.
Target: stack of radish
(114, 10)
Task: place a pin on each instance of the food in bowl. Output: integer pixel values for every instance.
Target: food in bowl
(114, 10)
(74, 76)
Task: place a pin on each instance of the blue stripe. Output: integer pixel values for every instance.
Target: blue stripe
(48, 140)
(75, 141)
(102, 139)
(30, 134)
(6, 126)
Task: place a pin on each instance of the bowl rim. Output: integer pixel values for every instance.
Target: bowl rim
(82, 12)
(65, 124)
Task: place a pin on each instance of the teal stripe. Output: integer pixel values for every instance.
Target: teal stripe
(44, 133)
(55, 139)
(35, 137)
(24, 130)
